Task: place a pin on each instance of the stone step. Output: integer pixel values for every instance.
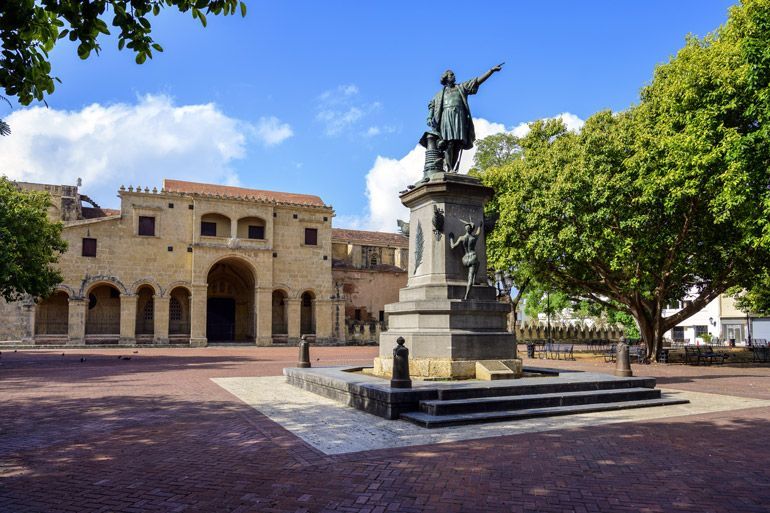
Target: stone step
(434, 421)
(522, 402)
(541, 386)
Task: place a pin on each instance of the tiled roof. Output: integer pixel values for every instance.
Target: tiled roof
(240, 192)
(369, 238)
(95, 213)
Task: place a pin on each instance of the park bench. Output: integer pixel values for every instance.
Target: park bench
(538, 349)
(635, 353)
(696, 354)
(556, 351)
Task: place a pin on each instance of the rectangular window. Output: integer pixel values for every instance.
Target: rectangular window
(382, 315)
(311, 236)
(89, 247)
(256, 232)
(147, 226)
(701, 330)
(677, 332)
(208, 229)
(357, 314)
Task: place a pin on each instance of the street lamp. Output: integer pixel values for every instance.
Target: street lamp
(548, 314)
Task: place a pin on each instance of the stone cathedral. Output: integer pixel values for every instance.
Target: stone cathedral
(196, 263)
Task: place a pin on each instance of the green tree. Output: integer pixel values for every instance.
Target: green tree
(29, 243)
(494, 151)
(539, 300)
(666, 199)
(30, 29)
(756, 299)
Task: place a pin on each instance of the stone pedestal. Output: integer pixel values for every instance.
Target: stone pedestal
(445, 334)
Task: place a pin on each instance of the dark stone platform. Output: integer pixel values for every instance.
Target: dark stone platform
(434, 404)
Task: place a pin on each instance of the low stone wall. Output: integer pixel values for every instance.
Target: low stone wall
(563, 331)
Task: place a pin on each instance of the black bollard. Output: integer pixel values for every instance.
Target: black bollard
(400, 377)
(623, 361)
(304, 353)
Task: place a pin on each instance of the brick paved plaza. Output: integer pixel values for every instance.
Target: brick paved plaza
(155, 433)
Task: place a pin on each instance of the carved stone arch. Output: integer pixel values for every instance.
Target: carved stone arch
(180, 283)
(159, 292)
(235, 256)
(312, 292)
(307, 315)
(71, 294)
(90, 281)
(213, 216)
(290, 294)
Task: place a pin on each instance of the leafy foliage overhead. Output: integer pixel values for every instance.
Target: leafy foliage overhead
(30, 29)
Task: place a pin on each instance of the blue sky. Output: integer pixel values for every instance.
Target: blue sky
(330, 98)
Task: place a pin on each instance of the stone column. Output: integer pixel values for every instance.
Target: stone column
(339, 330)
(161, 319)
(293, 314)
(128, 318)
(324, 321)
(198, 303)
(76, 324)
(28, 310)
(264, 316)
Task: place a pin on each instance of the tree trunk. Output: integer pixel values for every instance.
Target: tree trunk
(651, 329)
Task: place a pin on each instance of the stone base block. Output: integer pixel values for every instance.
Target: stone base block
(444, 368)
(198, 342)
(499, 369)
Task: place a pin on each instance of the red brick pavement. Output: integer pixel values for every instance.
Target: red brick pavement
(155, 434)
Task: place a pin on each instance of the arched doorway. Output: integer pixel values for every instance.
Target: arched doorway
(307, 314)
(280, 314)
(52, 316)
(103, 313)
(230, 305)
(179, 315)
(145, 312)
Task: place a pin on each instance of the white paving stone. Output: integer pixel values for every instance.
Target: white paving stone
(334, 428)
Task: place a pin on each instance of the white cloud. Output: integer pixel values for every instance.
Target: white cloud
(337, 121)
(139, 144)
(271, 131)
(340, 109)
(571, 121)
(374, 131)
(388, 176)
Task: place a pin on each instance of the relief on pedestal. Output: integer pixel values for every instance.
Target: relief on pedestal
(470, 259)
(418, 244)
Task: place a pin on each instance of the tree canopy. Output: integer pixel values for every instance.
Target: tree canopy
(666, 199)
(30, 29)
(29, 243)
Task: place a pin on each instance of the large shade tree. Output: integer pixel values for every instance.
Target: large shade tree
(666, 200)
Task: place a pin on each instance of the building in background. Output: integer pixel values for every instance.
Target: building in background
(192, 263)
(368, 269)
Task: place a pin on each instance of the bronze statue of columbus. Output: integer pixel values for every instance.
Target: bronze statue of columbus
(450, 125)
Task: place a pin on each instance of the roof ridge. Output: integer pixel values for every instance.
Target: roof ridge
(183, 186)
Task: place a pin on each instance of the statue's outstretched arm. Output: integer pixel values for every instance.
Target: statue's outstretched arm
(489, 73)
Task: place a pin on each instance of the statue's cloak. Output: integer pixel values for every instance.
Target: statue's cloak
(436, 111)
